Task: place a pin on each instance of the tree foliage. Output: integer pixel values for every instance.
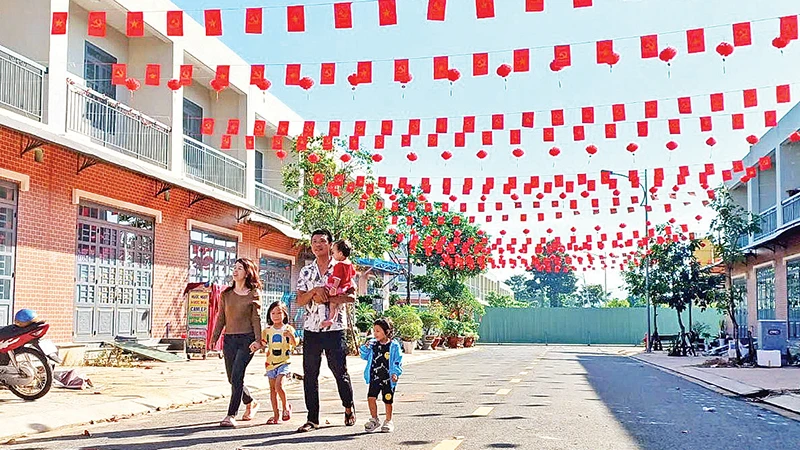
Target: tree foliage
(522, 290)
(617, 303)
(591, 296)
(454, 296)
(497, 300)
(552, 274)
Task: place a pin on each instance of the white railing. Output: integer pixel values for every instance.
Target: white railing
(212, 167)
(117, 126)
(769, 223)
(21, 82)
(791, 209)
(273, 201)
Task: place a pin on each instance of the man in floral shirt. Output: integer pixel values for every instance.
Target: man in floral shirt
(312, 294)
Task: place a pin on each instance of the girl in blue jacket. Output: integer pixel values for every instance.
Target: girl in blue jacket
(384, 367)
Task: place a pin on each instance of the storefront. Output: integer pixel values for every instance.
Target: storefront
(8, 239)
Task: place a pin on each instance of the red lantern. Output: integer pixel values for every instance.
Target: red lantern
(264, 84)
(667, 54)
(345, 158)
(518, 152)
(306, 83)
(412, 156)
(504, 70)
(482, 154)
(174, 84)
(711, 142)
(672, 145)
(377, 157)
(780, 43)
(725, 49)
(313, 158)
(555, 151)
(612, 59)
(313, 192)
(353, 80)
(453, 75)
(281, 154)
(632, 147)
(217, 85)
(555, 66)
(318, 179)
(591, 150)
(698, 217)
(752, 139)
(446, 155)
(133, 84)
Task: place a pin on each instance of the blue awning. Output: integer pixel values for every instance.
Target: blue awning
(379, 264)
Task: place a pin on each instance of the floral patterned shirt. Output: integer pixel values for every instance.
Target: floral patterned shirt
(316, 313)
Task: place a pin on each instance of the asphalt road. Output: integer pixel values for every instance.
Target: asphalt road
(498, 397)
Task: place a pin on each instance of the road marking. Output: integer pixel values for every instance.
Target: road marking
(448, 444)
(523, 373)
(482, 411)
(515, 380)
(503, 392)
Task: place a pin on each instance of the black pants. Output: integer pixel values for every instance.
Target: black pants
(237, 356)
(334, 344)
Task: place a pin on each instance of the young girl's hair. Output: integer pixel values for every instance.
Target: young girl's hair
(283, 308)
(386, 325)
(343, 245)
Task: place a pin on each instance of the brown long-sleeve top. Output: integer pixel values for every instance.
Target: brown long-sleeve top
(238, 314)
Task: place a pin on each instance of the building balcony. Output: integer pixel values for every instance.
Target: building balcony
(768, 220)
(212, 167)
(791, 209)
(21, 84)
(116, 126)
(274, 203)
(743, 241)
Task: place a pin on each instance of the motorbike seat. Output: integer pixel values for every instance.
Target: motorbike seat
(11, 331)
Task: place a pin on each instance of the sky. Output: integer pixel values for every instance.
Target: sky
(632, 81)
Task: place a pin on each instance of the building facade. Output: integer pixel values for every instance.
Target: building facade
(770, 279)
(112, 200)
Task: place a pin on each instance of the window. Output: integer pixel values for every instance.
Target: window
(740, 291)
(259, 167)
(211, 258)
(192, 120)
(97, 71)
(793, 297)
(765, 293)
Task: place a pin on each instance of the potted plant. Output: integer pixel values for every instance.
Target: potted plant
(470, 334)
(365, 317)
(431, 323)
(407, 325)
(451, 331)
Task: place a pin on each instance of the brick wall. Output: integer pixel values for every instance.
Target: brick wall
(46, 240)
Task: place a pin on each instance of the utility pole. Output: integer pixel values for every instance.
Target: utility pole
(408, 271)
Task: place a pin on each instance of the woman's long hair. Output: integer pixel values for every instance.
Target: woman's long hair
(251, 279)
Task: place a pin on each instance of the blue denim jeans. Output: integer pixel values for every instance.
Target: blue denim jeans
(237, 356)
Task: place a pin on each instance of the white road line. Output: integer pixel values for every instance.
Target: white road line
(515, 380)
(482, 411)
(503, 392)
(448, 444)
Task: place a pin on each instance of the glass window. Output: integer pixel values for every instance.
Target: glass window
(793, 297)
(192, 120)
(259, 167)
(97, 71)
(740, 291)
(765, 293)
(211, 258)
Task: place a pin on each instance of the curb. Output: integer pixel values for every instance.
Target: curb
(142, 407)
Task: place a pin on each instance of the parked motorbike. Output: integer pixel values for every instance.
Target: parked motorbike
(24, 354)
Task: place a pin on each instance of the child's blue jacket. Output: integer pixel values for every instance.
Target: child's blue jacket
(395, 359)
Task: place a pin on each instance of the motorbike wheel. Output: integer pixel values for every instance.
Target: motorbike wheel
(31, 359)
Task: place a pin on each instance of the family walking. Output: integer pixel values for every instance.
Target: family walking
(323, 288)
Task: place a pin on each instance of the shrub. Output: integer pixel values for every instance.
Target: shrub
(431, 322)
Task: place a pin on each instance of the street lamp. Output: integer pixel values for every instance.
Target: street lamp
(647, 256)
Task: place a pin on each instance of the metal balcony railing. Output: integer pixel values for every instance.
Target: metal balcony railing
(212, 167)
(273, 201)
(791, 209)
(743, 241)
(769, 223)
(117, 126)
(21, 82)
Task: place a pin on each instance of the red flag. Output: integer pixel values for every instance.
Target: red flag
(327, 142)
(97, 24)
(534, 5)
(770, 118)
(587, 114)
(783, 94)
(469, 124)
(213, 18)
(250, 142)
(738, 166)
(386, 127)
(737, 121)
(174, 23)
(521, 60)
(308, 128)
(618, 112)
(642, 128)
(651, 109)
(186, 74)
(152, 75)
(380, 142)
(764, 163)
(460, 140)
(696, 40)
(353, 143)
(789, 27)
(119, 73)
(611, 131)
(292, 74)
(578, 133)
(277, 142)
(441, 125)
(360, 128)
(433, 140)
(436, 9)
(225, 143)
(480, 64)
(557, 117)
(342, 15)
(296, 19)
(562, 55)
(208, 126)
(233, 126)
(283, 128)
(254, 21)
(135, 24)
(327, 73)
(649, 45)
(256, 74)
(727, 175)
(685, 105)
(484, 9)
(486, 138)
(527, 119)
(497, 121)
(414, 127)
(387, 12)
(334, 128)
(59, 25)
(581, 3)
(741, 34)
(717, 102)
(260, 128)
(515, 137)
(405, 140)
(440, 67)
(364, 72)
(706, 124)
(750, 98)
(224, 74)
(548, 135)
(604, 51)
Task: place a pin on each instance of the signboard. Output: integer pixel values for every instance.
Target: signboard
(197, 322)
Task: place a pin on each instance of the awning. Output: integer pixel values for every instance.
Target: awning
(284, 228)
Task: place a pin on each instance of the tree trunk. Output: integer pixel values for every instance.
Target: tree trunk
(350, 335)
(682, 340)
(732, 310)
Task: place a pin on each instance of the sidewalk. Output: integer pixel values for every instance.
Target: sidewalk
(152, 386)
(778, 387)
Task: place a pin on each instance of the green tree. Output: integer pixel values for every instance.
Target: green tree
(552, 274)
(591, 296)
(496, 300)
(731, 223)
(452, 293)
(617, 303)
(522, 290)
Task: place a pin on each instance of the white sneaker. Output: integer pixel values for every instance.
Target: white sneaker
(373, 425)
(387, 427)
(228, 422)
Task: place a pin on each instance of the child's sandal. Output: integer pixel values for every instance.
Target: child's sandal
(272, 421)
(287, 413)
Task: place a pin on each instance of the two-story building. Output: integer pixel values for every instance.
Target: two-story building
(771, 275)
(112, 199)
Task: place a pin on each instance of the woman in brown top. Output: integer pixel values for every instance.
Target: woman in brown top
(239, 316)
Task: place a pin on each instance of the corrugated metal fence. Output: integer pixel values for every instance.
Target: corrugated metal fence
(582, 325)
